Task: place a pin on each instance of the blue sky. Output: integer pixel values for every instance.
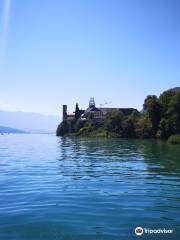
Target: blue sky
(58, 52)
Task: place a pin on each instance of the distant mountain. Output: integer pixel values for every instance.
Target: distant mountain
(31, 122)
(10, 130)
(176, 89)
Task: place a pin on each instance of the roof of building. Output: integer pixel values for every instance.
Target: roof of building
(92, 109)
(124, 110)
(110, 109)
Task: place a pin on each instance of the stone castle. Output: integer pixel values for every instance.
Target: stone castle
(92, 112)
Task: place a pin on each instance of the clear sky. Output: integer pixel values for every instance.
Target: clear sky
(55, 52)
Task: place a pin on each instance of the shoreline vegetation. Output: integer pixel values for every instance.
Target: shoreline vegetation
(174, 139)
(159, 119)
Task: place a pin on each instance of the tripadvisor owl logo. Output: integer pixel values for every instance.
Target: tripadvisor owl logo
(139, 231)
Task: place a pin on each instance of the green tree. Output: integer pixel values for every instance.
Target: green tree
(128, 128)
(154, 111)
(165, 129)
(174, 112)
(130, 124)
(164, 100)
(144, 127)
(113, 122)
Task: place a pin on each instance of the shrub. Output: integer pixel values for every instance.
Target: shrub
(174, 139)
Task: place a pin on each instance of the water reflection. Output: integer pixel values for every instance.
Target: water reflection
(144, 174)
(85, 157)
(85, 188)
(110, 156)
(161, 157)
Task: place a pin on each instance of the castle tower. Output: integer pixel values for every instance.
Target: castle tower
(64, 112)
(91, 102)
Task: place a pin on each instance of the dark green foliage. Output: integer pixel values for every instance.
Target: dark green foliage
(161, 116)
(174, 139)
(165, 129)
(154, 112)
(113, 122)
(146, 101)
(174, 112)
(128, 128)
(130, 125)
(87, 129)
(144, 127)
(165, 99)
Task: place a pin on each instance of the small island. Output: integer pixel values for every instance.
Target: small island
(159, 118)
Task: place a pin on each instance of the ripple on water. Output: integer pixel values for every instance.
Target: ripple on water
(80, 188)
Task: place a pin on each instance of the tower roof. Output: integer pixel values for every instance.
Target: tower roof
(91, 102)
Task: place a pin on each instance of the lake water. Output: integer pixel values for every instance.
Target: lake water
(85, 188)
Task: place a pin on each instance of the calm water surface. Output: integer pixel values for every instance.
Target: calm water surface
(81, 188)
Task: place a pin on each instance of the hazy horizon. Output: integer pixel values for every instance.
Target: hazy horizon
(29, 121)
(63, 52)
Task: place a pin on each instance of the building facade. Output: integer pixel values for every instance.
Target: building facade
(92, 112)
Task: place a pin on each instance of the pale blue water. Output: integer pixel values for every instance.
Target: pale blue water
(83, 188)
